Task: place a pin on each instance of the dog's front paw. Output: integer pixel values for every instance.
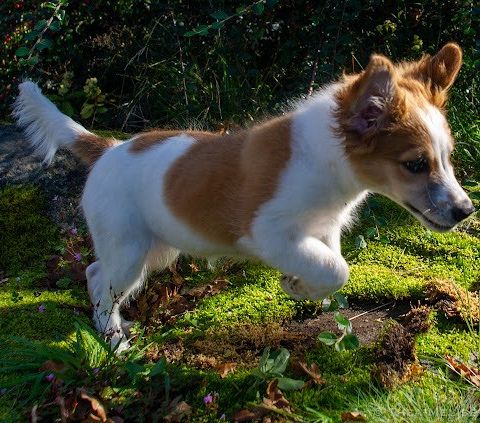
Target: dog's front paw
(299, 290)
(294, 287)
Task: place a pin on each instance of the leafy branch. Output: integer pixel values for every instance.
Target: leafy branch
(221, 17)
(28, 56)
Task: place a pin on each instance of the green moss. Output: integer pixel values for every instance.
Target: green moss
(449, 338)
(255, 297)
(407, 256)
(20, 315)
(27, 235)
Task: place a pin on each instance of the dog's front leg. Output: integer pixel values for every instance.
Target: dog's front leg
(317, 270)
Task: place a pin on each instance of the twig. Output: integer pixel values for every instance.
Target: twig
(373, 309)
(182, 65)
(40, 37)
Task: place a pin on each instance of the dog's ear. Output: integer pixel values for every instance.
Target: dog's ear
(441, 70)
(373, 96)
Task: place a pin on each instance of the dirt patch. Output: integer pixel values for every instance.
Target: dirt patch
(244, 343)
(396, 360)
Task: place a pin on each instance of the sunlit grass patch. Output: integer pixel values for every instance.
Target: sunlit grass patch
(434, 399)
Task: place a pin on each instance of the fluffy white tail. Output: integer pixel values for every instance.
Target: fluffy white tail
(45, 126)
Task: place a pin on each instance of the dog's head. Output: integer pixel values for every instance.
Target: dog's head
(397, 138)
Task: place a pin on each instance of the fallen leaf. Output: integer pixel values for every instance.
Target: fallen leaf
(246, 415)
(471, 374)
(313, 372)
(353, 416)
(273, 402)
(225, 368)
(177, 279)
(275, 396)
(97, 411)
(53, 366)
(179, 411)
(213, 288)
(194, 267)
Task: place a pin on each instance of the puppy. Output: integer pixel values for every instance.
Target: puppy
(281, 191)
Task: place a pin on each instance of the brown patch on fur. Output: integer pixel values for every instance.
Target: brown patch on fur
(220, 182)
(147, 140)
(89, 147)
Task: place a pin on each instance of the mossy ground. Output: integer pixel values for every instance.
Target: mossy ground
(400, 258)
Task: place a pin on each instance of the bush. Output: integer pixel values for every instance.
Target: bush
(177, 63)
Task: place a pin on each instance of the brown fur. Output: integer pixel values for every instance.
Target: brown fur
(144, 141)
(220, 182)
(90, 147)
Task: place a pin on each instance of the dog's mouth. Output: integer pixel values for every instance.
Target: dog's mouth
(428, 222)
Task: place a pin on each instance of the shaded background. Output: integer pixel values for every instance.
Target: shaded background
(213, 63)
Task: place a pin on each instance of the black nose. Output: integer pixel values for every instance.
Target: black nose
(460, 213)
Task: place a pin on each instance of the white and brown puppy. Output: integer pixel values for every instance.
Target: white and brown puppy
(280, 191)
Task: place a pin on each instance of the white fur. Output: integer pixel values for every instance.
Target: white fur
(45, 126)
(448, 192)
(298, 230)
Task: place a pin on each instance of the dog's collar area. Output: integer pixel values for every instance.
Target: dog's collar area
(430, 222)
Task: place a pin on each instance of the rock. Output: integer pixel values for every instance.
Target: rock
(62, 181)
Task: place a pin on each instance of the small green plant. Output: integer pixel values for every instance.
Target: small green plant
(220, 16)
(95, 100)
(272, 366)
(87, 360)
(347, 340)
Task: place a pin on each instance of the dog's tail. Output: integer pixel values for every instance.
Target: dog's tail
(48, 129)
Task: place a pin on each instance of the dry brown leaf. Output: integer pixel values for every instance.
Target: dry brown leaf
(353, 416)
(246, 415)
(53, 366)
(472, 375)
(312, 371)
(213, 288)
(225, 368)
(194, 267)
(97, 411)
(179, 411)
(275, 396)
(177, 279)
(274, 401)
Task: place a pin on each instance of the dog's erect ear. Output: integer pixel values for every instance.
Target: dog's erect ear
(445, 65)
(442, 69)
(373, 95)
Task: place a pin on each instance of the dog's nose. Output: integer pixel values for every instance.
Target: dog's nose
(460, 213)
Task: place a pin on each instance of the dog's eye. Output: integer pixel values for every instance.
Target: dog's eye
(416, 166)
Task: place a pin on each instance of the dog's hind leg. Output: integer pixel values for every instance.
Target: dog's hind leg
(119, 271)
(158, 258)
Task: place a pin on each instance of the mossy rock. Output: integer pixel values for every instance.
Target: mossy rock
(27, 234)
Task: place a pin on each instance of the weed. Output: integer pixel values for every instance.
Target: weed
(272, 366)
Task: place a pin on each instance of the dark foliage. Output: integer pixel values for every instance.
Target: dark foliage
(176, 63)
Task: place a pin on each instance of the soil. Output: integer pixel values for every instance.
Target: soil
(244, 343)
